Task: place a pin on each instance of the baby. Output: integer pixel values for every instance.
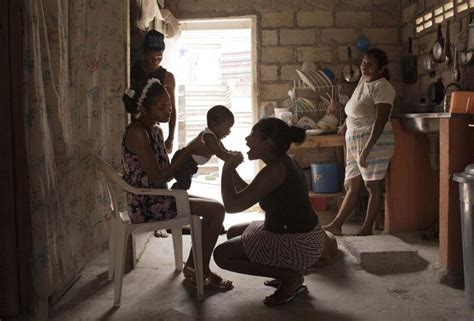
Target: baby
(208, 143)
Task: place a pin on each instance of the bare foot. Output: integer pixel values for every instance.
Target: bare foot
(161, 233)
(333, 229)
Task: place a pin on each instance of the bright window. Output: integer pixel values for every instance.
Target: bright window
(441, 13)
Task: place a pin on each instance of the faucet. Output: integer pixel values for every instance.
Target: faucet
(447, 96)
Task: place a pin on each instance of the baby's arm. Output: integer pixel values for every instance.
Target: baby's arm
(216, 147)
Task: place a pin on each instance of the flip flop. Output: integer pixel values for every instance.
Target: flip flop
(273, 283)
(276, 283)
(275, 300)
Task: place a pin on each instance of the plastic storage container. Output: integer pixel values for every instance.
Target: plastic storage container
(466, 197)
(319, 203)
(325, 178)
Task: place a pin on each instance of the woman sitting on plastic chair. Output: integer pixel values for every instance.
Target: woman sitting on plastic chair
(146, 165)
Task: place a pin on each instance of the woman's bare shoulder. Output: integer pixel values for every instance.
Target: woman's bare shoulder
(136, 133)
(274, 172)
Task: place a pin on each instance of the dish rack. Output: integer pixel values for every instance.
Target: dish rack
(312, 102)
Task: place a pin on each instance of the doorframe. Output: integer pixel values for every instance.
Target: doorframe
(16, 226)
(237, 22)
(234, 22)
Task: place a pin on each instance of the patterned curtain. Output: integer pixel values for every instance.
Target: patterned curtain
(75, 74)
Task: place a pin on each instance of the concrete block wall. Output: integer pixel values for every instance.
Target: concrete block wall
(290, 32)
(423, 43)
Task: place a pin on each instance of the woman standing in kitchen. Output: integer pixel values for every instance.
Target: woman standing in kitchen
(290, 239)
(369, 140)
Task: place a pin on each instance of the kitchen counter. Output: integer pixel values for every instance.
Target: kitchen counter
(418, 196)
(315, 141)
(434, 115)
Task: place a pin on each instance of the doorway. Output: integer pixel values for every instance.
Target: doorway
(213, 62)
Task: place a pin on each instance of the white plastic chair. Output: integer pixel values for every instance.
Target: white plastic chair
(122, 228)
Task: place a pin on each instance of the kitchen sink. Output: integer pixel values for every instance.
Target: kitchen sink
(427, 123)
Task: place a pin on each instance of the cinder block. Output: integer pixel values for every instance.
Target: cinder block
(277, 54)
(274, 91)
(381, 35)
(384, 254)
(339, 35)
(408, 30)
(386, 17)
(268, 72)
(394, 52)
(315, 54)
(288, 72)
(317, 18)
(269, 37)
(409, 13)
(277, 19)
(353, 19)
(354, 4)
(344, 56)
(297, 37)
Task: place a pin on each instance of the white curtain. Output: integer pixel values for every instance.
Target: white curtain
(75, 74)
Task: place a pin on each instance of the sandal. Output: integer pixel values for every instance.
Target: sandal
(217, 282)
(211, 279)
(275, 299)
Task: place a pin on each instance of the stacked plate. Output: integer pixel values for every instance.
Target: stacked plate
(305, 104)
(315, 79)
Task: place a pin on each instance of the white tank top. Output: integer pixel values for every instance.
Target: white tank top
(199, 159)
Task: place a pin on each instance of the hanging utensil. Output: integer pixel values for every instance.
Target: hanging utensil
(409, 66)
(470, 37)
(436, 91)
(350, 73)
(448, 57)
(429, 64)
(438, 46)
(464, 56)
(456, 72)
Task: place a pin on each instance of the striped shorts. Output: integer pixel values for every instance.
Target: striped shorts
(294, 251)
(379, 156)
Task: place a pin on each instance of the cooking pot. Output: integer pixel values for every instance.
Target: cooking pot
(436, 91)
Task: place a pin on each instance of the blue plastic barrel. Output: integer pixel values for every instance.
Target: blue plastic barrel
(325, 177)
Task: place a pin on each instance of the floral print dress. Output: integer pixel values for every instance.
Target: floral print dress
(142, 208)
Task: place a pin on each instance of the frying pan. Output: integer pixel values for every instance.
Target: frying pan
(409, 69)
(350, 73)
(438, 46)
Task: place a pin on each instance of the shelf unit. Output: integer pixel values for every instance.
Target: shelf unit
(317, 97)
(323, 141)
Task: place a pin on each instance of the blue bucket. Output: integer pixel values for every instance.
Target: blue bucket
(325, 177)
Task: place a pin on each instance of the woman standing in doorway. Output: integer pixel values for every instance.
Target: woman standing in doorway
(369, 140)
(149, 67)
